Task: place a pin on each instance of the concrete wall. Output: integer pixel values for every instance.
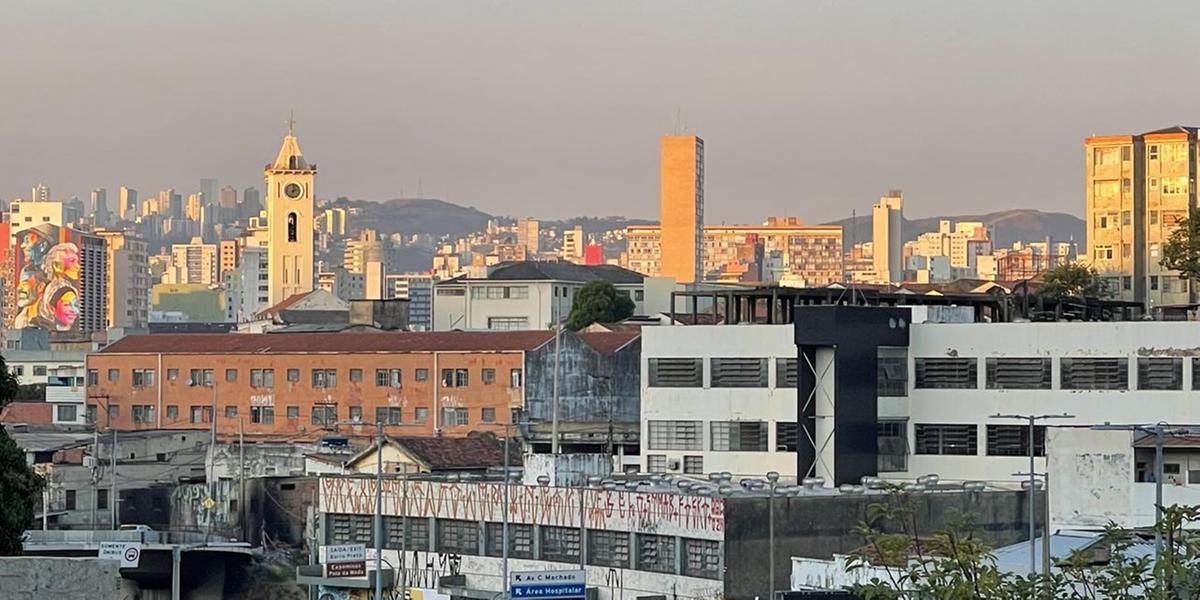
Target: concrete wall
(819, 527)
(591, 384)
(36, 577)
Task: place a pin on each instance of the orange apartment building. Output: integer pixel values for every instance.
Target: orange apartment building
(308, 385)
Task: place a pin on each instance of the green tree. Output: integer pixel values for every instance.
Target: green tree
(19, 485)
(598, 301)
(1181, 252)
(1073, 281)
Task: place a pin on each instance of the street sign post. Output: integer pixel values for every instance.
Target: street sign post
(548, 585)
(346, 560)
(129, 553)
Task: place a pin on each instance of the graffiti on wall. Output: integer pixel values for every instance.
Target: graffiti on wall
(194, 506)
(47, 264)
(641, 512)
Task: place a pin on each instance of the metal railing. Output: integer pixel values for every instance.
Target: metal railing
(89, 537)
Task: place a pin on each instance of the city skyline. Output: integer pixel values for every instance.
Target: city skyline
(904, 100)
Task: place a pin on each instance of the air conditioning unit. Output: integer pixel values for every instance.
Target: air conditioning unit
(89, 461)
(673, 465)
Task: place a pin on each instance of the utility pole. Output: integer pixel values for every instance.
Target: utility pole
(379, 510)
(557, 335)
(95, 470)
(112, 494)
(242, 479)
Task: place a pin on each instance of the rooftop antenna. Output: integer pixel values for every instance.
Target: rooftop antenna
(680, 121)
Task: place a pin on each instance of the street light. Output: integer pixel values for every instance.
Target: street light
(1032, 477)
(773, 481)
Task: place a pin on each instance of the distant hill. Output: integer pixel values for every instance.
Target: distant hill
(1019, 224)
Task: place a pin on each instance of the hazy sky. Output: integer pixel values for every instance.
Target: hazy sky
(554, 108)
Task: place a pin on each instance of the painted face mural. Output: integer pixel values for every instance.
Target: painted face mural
(48, 266)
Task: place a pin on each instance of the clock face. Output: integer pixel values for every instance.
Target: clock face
(293, 190)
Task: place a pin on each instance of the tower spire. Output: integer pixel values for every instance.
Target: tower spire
(291, 122)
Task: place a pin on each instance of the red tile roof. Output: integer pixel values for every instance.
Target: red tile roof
(30, 413)
(609, 341)
(286, 343)
(448, 453)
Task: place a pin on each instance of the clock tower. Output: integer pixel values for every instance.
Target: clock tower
(289, 221)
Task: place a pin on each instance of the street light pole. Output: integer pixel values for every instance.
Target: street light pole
(773, 480)
(379, 510)
(1032, 419)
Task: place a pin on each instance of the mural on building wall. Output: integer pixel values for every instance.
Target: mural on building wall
(641, 512)
(46, 262)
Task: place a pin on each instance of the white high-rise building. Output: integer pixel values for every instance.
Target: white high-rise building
(888, 240)
(194, 262)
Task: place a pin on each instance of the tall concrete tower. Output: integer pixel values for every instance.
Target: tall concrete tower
(289, 221)
(886, 237)
(681, 206)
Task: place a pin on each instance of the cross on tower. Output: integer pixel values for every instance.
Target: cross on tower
(291, 122)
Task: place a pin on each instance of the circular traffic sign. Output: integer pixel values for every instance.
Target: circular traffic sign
(131, 554)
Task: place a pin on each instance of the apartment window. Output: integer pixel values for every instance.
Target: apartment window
(420, 414)
(264, 415)
(656, 463)
(520, 540)
(1126, 218)
(693, 465)
(455, 378)
(262, 378)
(560, 544)
(113, 374)
(388, 415)
(231, 412)
(1153, 184)
(608, 548)
(488, 375)
(1127, 187)
(356, 414)
(1154, 250)
(702, 558)
(293, 412)
(1154, 282)
(946, 439)
(738, 436)
(172, 374)
(1013, 440)
(676, 372)
(508, 323)
(739, 372)
(355, 375)
(892, 440)
(1154, 217)
(487, 415)
(454, 416)
(230, 375)
(324, 414)
(892, 372)
(785, 373)
(93, 377)
(421, 374)
(201, 414)
(324, 378)
(172, 413)
(143, 377)
(1160, 373)
(101, 499)
(787, 436)
(387, 377)
(1018, 373)
(200, 377)
(1126, 250)
(70, 500)
(458, 536)
(1126, 282)
(946, 373)
(143, 413)
(1152, 151)
(656, 553)
(1094, 373)
(675, 435)
(66, 412)
(514, 378)
(1103, 252)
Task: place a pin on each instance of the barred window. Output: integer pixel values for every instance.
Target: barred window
(560, 544)
(892, 439)
(457, 536)
(676, 372)
(702, 558)
(946, 439)
(1018, 373)
(787, 436)
(418, 533)
(656, 553)
(1013, 440)
(892, 372)
(520, 540)
(350, 529)
(387, 377)
(676, 435)
(739, 372)
(656, 463)
(693, 465)
(1094, 373)
(785, 373)
(608, 548)
(388, 415)
(946, 373)
(1160, 373)
(739, 436)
